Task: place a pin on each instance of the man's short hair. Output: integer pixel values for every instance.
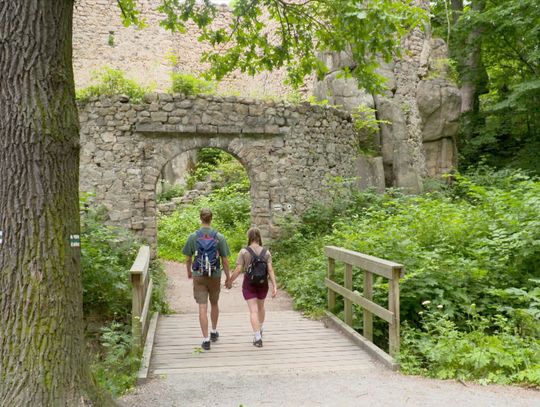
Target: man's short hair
(206, 215)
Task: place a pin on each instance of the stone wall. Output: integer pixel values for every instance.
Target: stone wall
(288, 151)
(100, 39)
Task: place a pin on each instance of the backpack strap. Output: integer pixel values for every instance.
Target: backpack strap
(251, 252)
(261, 256)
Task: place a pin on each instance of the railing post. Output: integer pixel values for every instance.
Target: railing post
(136, 307)
(393, 306)
(331, 293)
(368, 316)
(348, 314)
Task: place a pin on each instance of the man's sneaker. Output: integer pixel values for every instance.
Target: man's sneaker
(214, 336)
(206, 345)
(257, 343)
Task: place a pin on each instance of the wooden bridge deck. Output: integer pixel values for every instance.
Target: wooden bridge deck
(291, 342)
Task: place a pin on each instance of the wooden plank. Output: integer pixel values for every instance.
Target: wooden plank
(147, 352)
(369, 346)
(247, 361)
(259, 356)
(393, 305)
(348, 311)
(142, 261)
(368, 316)
(331, 294)
(145, 311)
(370, 263)
(196, 339)
(298, 367)
(358, 299)
(277, 347)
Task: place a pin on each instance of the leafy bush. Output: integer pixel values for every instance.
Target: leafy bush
(115, 369)
(170, 192)
(191, 85)
(488, 350)
(477, 242)
(111, 82)
(107, 254)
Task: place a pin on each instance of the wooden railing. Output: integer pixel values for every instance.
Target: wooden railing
(370, 266)
(141, 282)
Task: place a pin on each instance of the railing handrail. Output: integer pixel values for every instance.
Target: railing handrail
(370, 265)
(142, 285)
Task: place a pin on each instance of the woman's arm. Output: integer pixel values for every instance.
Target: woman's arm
(273, 279)
(235, 274)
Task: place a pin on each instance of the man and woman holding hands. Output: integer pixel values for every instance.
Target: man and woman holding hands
(206, 252)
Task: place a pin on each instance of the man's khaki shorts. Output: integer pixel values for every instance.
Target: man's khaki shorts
(206, 287)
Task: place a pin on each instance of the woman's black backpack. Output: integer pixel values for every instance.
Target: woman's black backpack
(257, 271)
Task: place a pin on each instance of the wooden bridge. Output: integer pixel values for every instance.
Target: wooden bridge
(171, 343)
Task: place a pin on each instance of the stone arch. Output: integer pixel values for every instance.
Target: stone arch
(259, 189)
(287, 150)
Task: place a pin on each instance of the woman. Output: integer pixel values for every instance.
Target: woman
(255, 295)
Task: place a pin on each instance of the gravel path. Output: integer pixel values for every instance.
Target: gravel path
(306, 388)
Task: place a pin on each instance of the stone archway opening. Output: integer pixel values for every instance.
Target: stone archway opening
(205, 177)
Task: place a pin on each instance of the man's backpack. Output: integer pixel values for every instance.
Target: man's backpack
(206, 256)
(257, 270)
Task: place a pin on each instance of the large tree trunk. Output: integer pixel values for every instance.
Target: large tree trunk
(473, 78)
(41, 328)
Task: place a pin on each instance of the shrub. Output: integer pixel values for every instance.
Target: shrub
(488, 350)
(107, 254)
(115, 367)
(111, 82)
(170, 192)
(190, 85)
(476, 242)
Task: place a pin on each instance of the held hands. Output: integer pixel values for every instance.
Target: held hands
(228, 283)
(189, 274)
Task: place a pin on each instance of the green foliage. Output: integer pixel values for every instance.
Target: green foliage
(488, 350)
(229, 201)
(367, 128)
(477, 242)
(366, 30)
(188, 84)
(170, 192)
(444, 68)
(111, 82)
(505, 126)
(116, 368)
(107, 254)
(220, 168)
(110, 40)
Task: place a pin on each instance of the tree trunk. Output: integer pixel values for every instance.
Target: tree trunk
(41, 326)
(474, 73)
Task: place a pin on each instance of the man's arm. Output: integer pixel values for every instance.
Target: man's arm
(189, 262)
(225, 261)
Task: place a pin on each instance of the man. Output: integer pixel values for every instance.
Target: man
(209, 247)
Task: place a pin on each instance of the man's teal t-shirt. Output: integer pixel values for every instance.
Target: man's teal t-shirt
(191, 247)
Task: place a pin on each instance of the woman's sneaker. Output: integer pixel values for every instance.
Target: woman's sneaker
(257, 343)
(214, 336)
(206, 345)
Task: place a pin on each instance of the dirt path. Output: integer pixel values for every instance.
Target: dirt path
(343, 387)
